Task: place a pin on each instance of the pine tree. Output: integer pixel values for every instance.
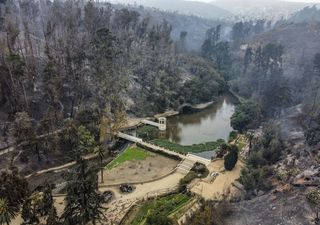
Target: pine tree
(83, 201)
(100, 152)
(29, 214)
(47, 200)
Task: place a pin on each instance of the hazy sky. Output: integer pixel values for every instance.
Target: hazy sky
(313, 1)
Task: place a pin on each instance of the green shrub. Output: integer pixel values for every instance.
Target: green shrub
(232, 136)
(256, 160)
(200, 169)
(147, 132)
(231, 158)
(186, 180)
(255, 178)
(247, 115)
(222, 150)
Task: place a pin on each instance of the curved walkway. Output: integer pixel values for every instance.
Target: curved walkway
(211, 188)
(65, 166)
(13, 146)
(122, 203)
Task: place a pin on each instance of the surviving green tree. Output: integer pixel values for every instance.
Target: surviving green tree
(246, 116)
(7, 211)
(83, 201)
(231, 158)
(13, 191)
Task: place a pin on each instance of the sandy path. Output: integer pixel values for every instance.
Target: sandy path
(143, 190)
(211, 190)
(118, 208)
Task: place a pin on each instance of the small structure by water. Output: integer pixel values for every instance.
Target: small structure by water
(162, 125)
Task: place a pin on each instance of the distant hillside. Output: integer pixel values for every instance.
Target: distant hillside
(269, 9)
(200, 9)
(301, 42)
(196, 27)
(308, 14)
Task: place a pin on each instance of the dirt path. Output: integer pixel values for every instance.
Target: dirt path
(211, 189)
(67, 165)
(122, 203)
(117, 209)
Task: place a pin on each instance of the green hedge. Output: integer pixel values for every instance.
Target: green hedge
(186, 180)
(209, 146)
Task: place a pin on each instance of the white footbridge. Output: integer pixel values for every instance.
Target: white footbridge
(161, 125)
(187, 160)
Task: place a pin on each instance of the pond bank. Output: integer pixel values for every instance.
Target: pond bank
(134, 122)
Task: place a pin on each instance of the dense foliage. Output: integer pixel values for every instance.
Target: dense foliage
(160, 209)
(83, 201)
(13, 191)
(266, 151)
(246, 116)
(147, 132)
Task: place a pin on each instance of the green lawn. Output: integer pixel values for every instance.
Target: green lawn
(209, 146)
(163, 205)
(131, 153)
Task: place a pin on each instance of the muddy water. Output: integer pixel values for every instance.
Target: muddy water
(209, 124)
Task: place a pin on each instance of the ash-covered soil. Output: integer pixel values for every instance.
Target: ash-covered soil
(273, 209)
(287, 203)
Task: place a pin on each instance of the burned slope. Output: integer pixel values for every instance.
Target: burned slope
(300, 41)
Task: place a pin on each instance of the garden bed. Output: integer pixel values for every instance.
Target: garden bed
(163, 207)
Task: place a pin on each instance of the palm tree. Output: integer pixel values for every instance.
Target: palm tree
(7, 213)
(100, 152)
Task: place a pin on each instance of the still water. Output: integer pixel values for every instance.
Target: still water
(209, 124)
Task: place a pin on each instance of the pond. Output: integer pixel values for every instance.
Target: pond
(206, 125)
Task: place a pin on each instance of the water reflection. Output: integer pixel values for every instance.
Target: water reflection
(207, 125)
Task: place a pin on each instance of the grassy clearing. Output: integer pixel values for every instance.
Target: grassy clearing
(184, 149)
(164, 206)
(131, 153)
